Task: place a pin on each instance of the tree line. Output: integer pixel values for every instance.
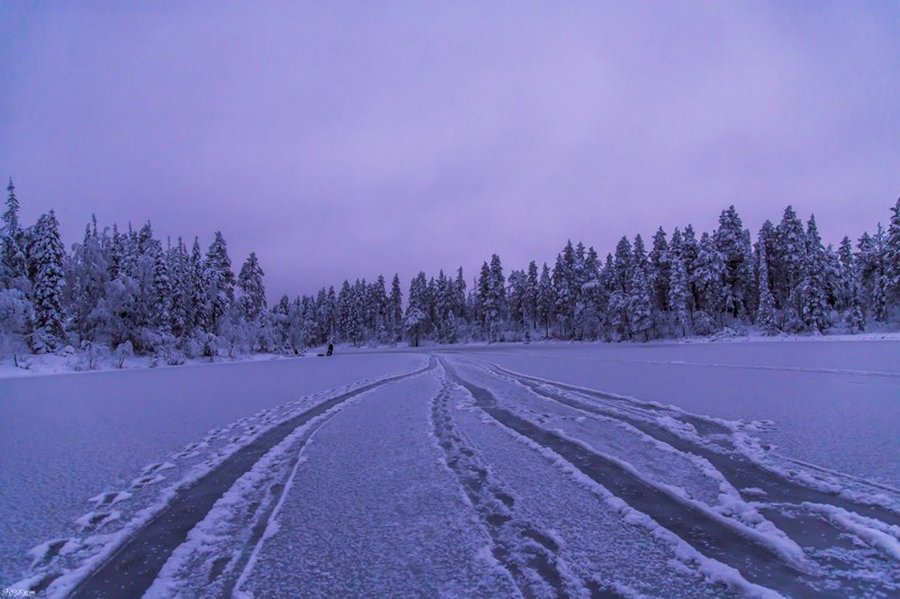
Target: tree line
(128, 292)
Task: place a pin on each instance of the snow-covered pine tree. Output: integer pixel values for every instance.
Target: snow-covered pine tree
(787, 263)
(219, 280)
(563, 290)
(87, 276)
(690, 250)
(707, 278)
(495, 307)
(531, 295)
(199, 308)
(179, 268)
(731, 243)
(516, 298)
(253, 291)
(639, 309)
(591, 299)
(47, 254)
(765, 313)
(13, 263)
(395, 309)
(814, 307)
(872, 274)
(545, 300)
(678, 294)
(660, 271)
(415, 322)
(892, 266)
(161, 305)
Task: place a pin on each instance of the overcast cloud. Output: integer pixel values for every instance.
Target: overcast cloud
(345, 140)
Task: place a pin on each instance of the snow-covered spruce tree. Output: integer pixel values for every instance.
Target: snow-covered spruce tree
(690, 250)
(253, 291)
(678, 294)
(872, 274)
(660, 271)
(531, 295)
(892, 266)
(639, 308)
(415, 322)
(563, 290)
(545, 300)
(765, 313)
(788, 261)
(219, 280)
(13, 262)
(161, 296)
(198, 305)
(47, 254)
(814, 307)
(178, 264)
(731, 243)
(516, 299)
(86, 277)
(496, 308)
(591, 299)
(395, 310)
(377, 310)
(619, 312)
(707, 278)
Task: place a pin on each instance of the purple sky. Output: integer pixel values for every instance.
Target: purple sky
(365, 138)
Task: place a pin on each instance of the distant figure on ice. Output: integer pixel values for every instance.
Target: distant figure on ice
(329, 351)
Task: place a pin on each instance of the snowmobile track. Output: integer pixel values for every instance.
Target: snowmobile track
(133, 567)
(740, 472)
(528, 553)
(758, 563)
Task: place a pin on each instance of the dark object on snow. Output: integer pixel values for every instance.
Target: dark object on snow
(329, 352)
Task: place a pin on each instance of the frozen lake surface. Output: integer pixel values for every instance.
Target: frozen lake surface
(667, 470)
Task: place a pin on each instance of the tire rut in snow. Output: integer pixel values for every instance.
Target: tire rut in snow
(741, 472)
(529, 554)
(133, 567)
(756, 562)
(829, 546)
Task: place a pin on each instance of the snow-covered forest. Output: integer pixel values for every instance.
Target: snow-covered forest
(119, 293)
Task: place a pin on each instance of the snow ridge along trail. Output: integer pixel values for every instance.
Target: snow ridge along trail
(133, 566)
(776, 531)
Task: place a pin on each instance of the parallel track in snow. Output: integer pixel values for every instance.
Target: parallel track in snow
(526, 549)
(133, 567)
(740, 471)
(758, 562)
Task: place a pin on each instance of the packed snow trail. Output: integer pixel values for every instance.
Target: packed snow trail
(373, 512)
(134, 566)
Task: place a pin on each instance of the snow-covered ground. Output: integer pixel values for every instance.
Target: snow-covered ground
(544, 470)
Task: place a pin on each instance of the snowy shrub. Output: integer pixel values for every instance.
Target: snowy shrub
(123, 352)
(191, 348)
(704, 324)
(91, 355)
(15, 310)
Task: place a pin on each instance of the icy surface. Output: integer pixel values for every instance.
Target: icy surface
(66, 438)
(683, 470)
(834, 403)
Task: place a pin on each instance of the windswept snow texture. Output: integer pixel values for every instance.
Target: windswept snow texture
(542, 471)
